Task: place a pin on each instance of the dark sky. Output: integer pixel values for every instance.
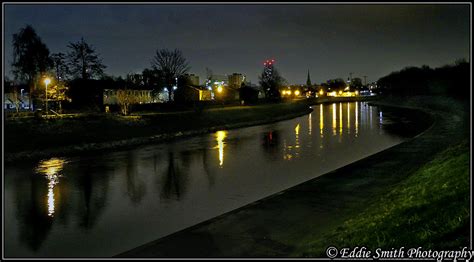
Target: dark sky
(329, 40)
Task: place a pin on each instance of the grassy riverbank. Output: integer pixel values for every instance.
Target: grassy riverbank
(429, 209)
(32, 137)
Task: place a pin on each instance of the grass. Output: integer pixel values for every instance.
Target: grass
(429, 209)
(31, 134)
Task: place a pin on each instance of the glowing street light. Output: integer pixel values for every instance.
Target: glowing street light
(219, 89)
(46, 81)
(297, 93)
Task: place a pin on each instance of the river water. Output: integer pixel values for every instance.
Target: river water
(103, 204)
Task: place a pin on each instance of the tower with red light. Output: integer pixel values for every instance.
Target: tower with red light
(268, 67)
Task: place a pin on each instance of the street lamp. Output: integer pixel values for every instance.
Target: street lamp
(46, 81)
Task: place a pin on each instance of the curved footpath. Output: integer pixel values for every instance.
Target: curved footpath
(267, 227)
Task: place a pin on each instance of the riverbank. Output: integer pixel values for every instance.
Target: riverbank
(30, 138)
(429, 209)
(33, 139)
(284, 224)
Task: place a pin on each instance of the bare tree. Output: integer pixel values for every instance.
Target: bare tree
(172, 64)
(125, 99)
(84, 62)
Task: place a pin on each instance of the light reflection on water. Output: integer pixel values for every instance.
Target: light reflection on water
(51, 170)
(127, 198)
(220, 136)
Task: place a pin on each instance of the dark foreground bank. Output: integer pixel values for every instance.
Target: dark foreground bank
(295, 222)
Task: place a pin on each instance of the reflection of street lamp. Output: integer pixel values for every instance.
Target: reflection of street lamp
(46, 81)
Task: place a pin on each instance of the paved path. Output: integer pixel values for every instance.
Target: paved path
(266, 227)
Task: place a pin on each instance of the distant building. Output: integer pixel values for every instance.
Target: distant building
(11, 100)
(236, 80)
(141, 96)
(189, 93)
(219, 80)
(193, 79)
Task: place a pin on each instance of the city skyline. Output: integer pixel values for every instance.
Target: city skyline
(328, 40)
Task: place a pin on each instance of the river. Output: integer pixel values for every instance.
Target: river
(102, 204)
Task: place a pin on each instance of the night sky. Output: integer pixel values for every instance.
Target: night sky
(329, 40)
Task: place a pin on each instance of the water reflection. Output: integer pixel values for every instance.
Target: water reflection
(321, 119)
(356, 119)
(206, 167)
(136, 188)
(369, 116)
(31, 212)
(220, 136)
(94, 189)
(99, 198)
(310, 121)
(297, 132)
(334, 124)
(340, 120)
(291, 151)
(51, 170)
(175, 178)
(348, 118)
(271, 144)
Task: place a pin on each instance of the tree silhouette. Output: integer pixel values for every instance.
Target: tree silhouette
(336, 84)
(270, 80)
(356, 83)
(152, 79)
(60, 66)
(84, 63)
(172, 65)
(30, 58)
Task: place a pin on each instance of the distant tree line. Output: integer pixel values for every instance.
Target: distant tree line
(82, 70)
(452, 80)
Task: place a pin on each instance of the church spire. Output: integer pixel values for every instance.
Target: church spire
(308, 81)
